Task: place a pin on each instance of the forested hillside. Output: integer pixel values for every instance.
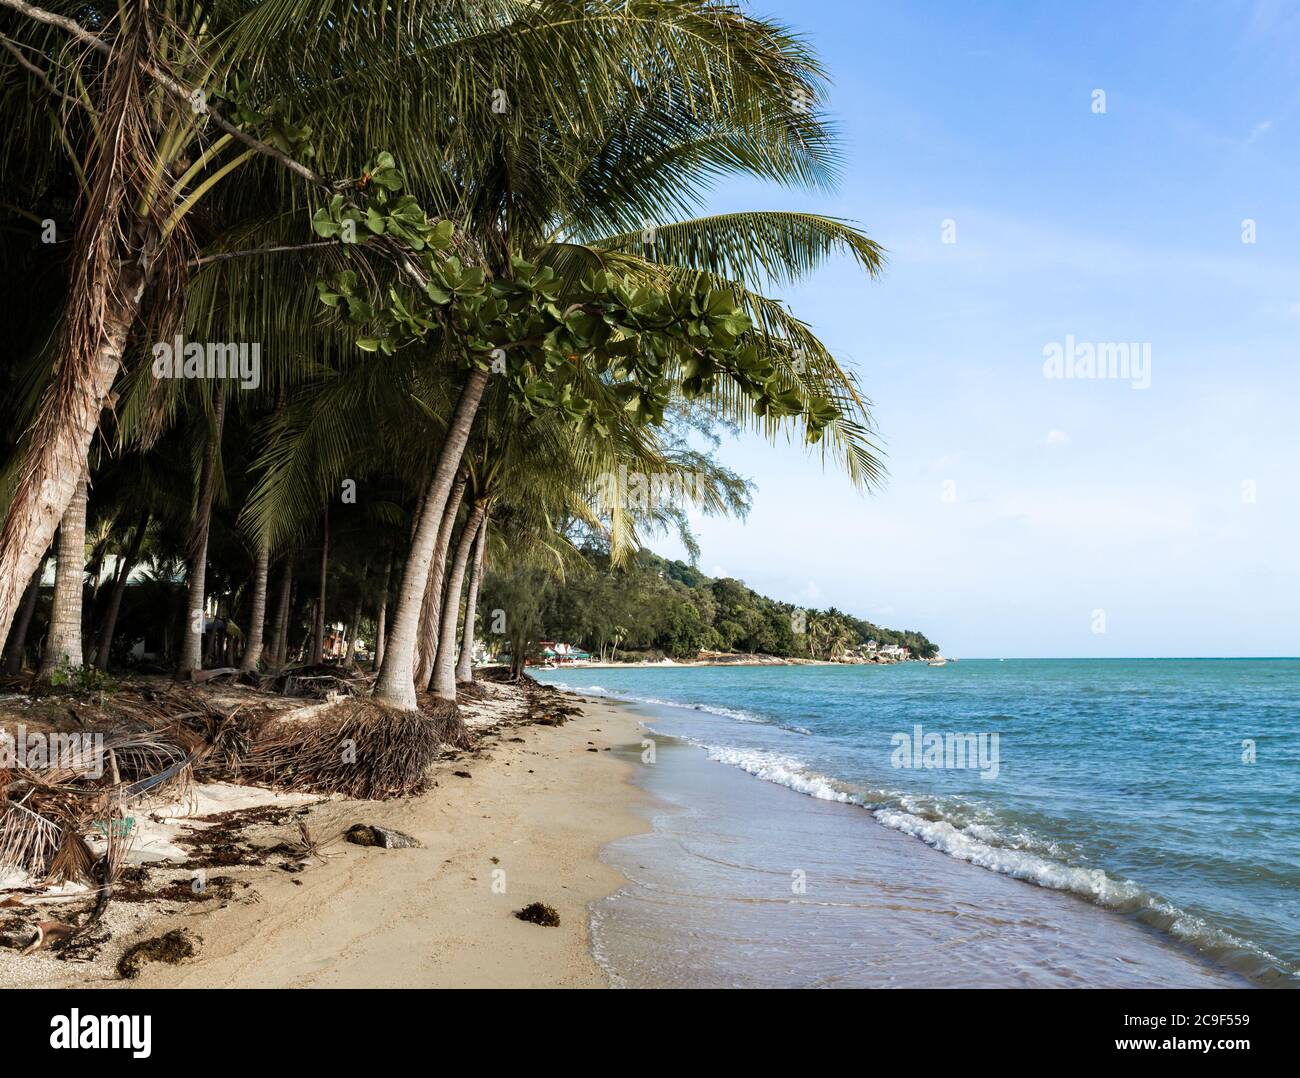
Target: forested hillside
(658, 606)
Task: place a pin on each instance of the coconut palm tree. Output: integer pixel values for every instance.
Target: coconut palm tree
(167, 113)
(615, 119)
(554, 197)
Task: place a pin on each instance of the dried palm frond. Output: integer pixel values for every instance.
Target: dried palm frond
(73, 861)
(28, 839)
(359, 748)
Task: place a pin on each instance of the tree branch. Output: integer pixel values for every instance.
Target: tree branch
(224, 256)
(41, 77)
(98, 43)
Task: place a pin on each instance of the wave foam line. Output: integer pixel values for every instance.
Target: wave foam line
(982, 848)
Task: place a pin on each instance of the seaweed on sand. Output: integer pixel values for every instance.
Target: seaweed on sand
(539, 913)
(171, 947)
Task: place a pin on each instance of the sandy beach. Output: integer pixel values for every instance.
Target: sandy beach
(687, 873)
(526, 826)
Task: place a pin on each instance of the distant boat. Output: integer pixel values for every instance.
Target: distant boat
(940, 661)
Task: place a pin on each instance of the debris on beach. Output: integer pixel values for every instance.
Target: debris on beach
(321, 681)
(172, 947)
(538, 913)
(48, 933)
(358, 748)
(186, 782)
(384, 837)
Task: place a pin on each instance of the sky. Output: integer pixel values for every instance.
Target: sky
(1027, 515)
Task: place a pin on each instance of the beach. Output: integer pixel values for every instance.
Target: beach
(669, 862)
(1107, 828)
(536, 810)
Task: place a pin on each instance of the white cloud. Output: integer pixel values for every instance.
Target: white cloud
(1056, 438)
(1259, 129)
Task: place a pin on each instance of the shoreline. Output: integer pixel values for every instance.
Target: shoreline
(765, 885)
(569, 815)
(528, 826)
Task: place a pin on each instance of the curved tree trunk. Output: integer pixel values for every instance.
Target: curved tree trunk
(444, 667)
(109, 625)
(63, 642)
(18, 638)
(318, 632)
(55, 459)
(380, 614)
(111, 263)
(192, 650)
(257, 617)
(396, 682)
(465, 667)
(431, 607)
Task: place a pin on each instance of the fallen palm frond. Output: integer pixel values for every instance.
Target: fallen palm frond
(66, 822)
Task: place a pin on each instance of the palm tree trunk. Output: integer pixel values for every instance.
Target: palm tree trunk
(381, 614)
(55, 460)
(352, 634)
(396, 682)
(192, 650)
(444, 667)
(308, 636)
(465, 668)
(355, 624)
(318, 636)
(257, 617)
(109, 624)
(63, 642)
(18, 638)
(280, 642)
(431, 607)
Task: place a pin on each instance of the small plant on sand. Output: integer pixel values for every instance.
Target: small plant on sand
(79, 679)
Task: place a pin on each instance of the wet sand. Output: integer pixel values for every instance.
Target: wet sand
(748, 884)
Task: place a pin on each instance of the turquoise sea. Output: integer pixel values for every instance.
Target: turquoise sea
(1166, 791)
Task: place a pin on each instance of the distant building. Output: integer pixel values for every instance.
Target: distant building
(561, 653)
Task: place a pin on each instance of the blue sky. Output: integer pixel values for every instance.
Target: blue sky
(1017, 507)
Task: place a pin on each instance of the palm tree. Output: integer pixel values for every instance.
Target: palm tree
(63, 642)
(553, 197)
(465, 665)
(194, 217)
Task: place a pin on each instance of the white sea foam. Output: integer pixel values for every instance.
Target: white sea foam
(1020, 864)
(782, 770)
(1002, 852)
(972, 832)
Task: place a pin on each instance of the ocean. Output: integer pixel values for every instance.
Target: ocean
(1099, 821)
